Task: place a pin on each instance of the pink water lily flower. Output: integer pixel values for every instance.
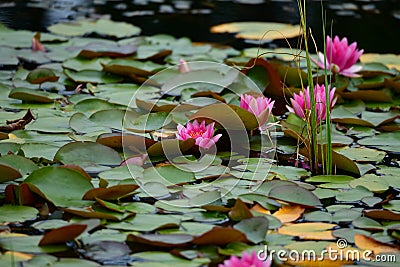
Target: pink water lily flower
(202, 134)
(260, 106)
(340, 57)
(247, 260)
(301, 102)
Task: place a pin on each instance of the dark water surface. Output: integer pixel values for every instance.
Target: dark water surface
(375, 25)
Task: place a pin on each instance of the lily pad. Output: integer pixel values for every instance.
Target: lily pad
(101, 26)
(259, 30)
(47, 182)
(92, 76)
(295, 194)
(30, 95)
(9, 213)
(86, 154)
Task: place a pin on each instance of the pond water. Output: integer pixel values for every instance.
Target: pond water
(372, 23)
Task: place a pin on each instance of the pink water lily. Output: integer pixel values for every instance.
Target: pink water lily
(340, 57)
(202, 134)
(260, 106)
(247, 260)
(301, 102)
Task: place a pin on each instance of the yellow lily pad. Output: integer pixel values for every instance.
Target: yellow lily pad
(259, 30)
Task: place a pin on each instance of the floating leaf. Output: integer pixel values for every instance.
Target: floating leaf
(92, 76)
(159, 240)
(30, 95)
(255, 228)
(354, 194)
(170, 147)
(372, 182)
(29, 244)
(101, 26)
(147, 122)
(384, 141)
(229, 117)
(220, 236)
(41, 75)
(240, 211)
(86, 154)
(168, 175)
(259, 30)
(8, 173)
(94, 50)
(62, 234)
(289, 213)
(80, 64)
(47, 182)
(9, 213)
(314, 231)
(295, 194)
(382, 214)
(366, 242)
(361, 154)
(132, 68)
(147, 222)
(110, 193)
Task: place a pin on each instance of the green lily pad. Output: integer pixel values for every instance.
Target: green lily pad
(372, 182)
(255, 228)
(92, 76)
(9, 213)
(354, 194)
(80, 64)
(168, 175)
(384, 141)
(146, 222)
(295, 194)
(147, 122)
(101, 26)
(30, 95)
(29, 244)
(47, 182)
(86, 154)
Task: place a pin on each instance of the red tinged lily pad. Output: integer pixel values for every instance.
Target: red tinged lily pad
(62, 234)
(110, 193)
(220, 236)
(228, 116)
(170, 147)
(41, 75)
(265, 76)
(20, 195)
(8, 173)
(382, 214)
(94, 50)
(132, 142)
